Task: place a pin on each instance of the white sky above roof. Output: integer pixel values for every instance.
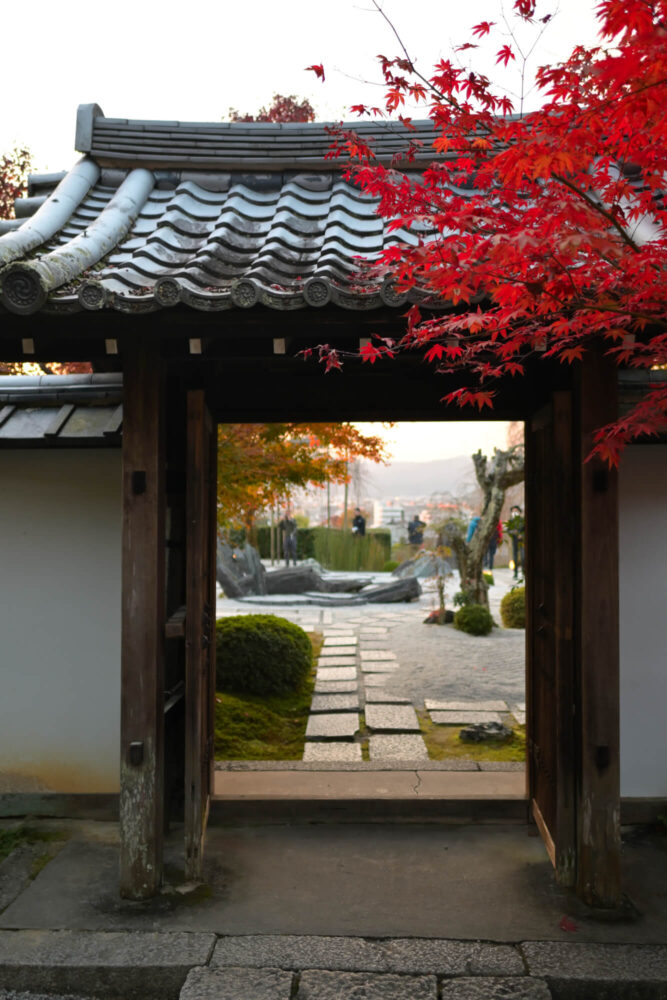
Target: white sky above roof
(193, 61)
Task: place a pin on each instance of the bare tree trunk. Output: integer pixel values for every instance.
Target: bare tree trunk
(505, 470)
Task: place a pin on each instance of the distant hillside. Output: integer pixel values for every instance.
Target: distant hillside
(418, 478)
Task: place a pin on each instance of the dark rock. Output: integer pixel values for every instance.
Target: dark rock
(391, 593)
(480, 732)
(239, 571)
(293, 580)
(439, 617)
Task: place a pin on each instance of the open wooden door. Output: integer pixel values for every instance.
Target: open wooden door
(550, 676)
(201, 511)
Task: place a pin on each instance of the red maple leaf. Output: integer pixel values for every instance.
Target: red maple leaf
(318, 70)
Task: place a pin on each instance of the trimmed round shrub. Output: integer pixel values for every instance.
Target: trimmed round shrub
(474, 619)
(390, 566)
(513, 608)
(260, 654)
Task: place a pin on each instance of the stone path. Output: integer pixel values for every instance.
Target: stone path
(380, 663)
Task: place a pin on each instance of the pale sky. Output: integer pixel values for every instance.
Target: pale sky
(425, 442)
(193, 61)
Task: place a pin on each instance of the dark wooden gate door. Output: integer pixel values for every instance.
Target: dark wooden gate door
(550, 691)
(199, 627)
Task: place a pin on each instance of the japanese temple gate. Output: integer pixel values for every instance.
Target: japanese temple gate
(200, 259)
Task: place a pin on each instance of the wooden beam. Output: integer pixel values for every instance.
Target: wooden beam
(598, 807)
(143, 622)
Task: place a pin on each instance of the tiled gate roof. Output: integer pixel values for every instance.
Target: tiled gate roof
(210, 215)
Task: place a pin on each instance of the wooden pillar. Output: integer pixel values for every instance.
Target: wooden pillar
(143, 623)
(598, 805)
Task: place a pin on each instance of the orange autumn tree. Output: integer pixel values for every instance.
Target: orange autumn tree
(261, 465)
(538, 234)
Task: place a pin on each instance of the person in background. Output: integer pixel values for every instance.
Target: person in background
(416, 531)
(358, 523)
(515, 527)
(288, 528)
(496, 539)
(472, 527)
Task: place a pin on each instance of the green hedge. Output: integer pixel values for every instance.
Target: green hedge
(260, 654)
(513, 608)
(474, 619)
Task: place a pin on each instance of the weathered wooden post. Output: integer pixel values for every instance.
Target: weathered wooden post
(143, 622)
(598, 807)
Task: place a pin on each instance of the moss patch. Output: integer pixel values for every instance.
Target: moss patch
(443, 743)
(270, 727)
(17, 836)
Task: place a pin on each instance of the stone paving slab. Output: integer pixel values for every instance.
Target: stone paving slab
(597, 962)
(397, 747)
(329, 652)
(518, 710)
(336, 674)
(334, 702)
(378, 668)
(384, 697)
(335, 687)
(340, 640)
(336, 661)
(334, 726)
(495, 989)
(463, 718)
(372, 680)
(133, 964)
(334, 752)
(367, 655)
(465, 706)
(367, 985)
(237, 984)
(370, 630)
(399, 718)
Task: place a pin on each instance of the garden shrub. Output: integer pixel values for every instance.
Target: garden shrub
(260, 654)
(462, 598)
(488, 577)
(513, 608)
(474, 619)
(389, 566)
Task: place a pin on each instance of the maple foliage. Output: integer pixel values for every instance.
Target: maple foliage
(535, 234)
(261, 465)
(281, 109)
(14, 169)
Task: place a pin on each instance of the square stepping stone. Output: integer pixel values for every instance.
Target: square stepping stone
(336, 661)
(340, 640)
(327, 618)
(519, 713)
(335, 687)
(346, 753)
(463, 718)
(379, 666)
(396, 718)
(336, 674)
(465, 706)
(519, 706)
(334, 702)
(397, 747)
(332, 726)
(376, 680)
(328, 651)
(370, 655)
(385, 697)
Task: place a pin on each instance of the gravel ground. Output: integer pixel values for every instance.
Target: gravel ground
(434, 661)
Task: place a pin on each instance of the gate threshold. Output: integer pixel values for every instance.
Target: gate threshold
(407, 795)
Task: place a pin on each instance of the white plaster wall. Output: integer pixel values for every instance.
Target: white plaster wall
(60, 590)
(643, 620)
